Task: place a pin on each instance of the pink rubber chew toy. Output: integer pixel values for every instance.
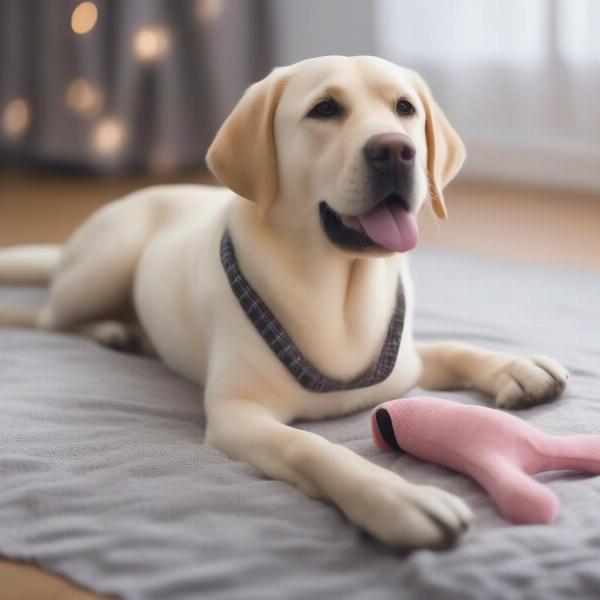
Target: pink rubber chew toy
(498, 450)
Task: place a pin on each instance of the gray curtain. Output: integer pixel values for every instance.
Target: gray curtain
(146, 87)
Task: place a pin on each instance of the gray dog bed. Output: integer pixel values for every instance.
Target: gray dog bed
(104, 477)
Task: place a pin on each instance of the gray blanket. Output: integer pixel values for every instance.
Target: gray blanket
(104, 477)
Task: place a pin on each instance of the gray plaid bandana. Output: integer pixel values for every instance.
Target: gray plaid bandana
(276, 337)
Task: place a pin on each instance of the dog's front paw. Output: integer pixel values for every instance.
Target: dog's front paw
(529, 380)
(410, 516)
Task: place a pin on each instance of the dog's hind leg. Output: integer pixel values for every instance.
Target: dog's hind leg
(95, 278)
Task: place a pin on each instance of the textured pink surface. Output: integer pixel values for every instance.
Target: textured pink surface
(391, 226)
(498, 450)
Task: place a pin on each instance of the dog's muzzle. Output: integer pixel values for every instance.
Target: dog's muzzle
(389, 223)
(391, 154)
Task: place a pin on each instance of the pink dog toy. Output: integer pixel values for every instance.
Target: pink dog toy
(498, 450)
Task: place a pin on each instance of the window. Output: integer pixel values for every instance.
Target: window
(519, 80)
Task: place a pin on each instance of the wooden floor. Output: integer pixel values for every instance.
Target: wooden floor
(532, 225)
(539, 226)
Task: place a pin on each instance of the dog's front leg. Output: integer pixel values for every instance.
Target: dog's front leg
(391, 509)
(513, 381)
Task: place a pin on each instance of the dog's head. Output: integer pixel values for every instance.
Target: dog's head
(350, 146)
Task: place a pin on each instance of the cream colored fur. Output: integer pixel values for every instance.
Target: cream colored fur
(158, 250)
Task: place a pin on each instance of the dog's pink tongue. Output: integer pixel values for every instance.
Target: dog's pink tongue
(391, 227)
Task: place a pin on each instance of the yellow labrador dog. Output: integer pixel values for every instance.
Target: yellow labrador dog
(286, 294)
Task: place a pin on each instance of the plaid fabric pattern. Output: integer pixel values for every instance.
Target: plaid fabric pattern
(276, 337)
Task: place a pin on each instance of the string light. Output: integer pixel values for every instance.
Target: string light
(84, 17)
(208, 11)
(15, 118)
(83, 98)
(108, 136)
(151, 43)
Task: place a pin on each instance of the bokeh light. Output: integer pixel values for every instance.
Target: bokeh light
(208, 11)
(108, 136)
(83, 98)
(84, 17)
(15, 118)
(151, 43)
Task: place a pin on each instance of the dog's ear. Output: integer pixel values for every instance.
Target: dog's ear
(242, 155)
(445, 150)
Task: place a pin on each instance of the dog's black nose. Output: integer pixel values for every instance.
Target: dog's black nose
(390, 152)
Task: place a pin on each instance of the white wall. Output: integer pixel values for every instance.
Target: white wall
(308, 28)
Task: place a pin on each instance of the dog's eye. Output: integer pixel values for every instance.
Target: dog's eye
(326, 109)
(404, 108)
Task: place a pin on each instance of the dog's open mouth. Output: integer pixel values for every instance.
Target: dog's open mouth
(388, 225)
